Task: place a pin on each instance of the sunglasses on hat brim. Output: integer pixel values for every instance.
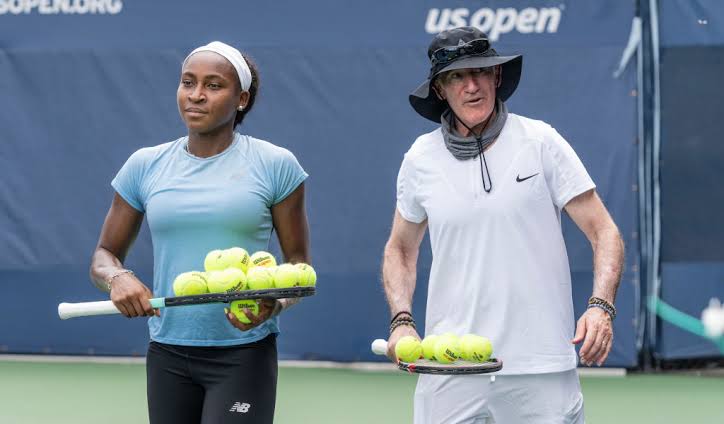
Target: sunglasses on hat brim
(445, 55)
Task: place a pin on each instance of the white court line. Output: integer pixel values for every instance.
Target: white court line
(68, 359)
(601, 372)
(358, 366)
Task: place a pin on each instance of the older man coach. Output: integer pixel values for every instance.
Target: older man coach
(490, 186)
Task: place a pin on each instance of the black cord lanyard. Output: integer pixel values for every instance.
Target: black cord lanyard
(481, 153)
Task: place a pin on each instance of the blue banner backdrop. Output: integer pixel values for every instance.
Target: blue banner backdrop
(692, 201)
(86, 83)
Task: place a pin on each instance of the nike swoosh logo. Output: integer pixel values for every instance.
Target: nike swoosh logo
(520, 180)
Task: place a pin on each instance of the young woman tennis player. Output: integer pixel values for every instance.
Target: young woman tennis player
(214, 188)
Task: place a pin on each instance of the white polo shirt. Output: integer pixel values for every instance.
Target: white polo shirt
(499, 267)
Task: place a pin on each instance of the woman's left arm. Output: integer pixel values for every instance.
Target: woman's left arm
(290, 222)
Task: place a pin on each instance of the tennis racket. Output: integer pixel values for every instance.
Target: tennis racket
(685, 321)
(425, 366)
(106, 307)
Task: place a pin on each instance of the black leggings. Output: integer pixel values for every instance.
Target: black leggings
(205, 385)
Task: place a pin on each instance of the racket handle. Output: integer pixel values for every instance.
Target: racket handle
(105, 307)
(84, 309)
(379, 347)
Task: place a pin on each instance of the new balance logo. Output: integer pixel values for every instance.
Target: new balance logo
(240, 407)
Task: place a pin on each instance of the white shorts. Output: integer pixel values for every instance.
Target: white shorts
(506, 399)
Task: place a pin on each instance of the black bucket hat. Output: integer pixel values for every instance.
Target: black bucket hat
(460, 48)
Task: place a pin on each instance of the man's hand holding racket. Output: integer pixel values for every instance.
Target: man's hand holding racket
(397, 334)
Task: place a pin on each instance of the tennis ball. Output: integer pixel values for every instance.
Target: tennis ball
(475, 348)
(216, 260)
(408, 349)
(466, 344)
(239, 306)
(259, 278)
(451, 335)
(237, 257)
(285, 276)
(237, 274)
(190, 283)
(428, 346)
(307, 275)
(262, 258)
(226, 281)
(447, 349)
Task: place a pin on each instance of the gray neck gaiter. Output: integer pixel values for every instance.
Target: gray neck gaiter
(470, 147)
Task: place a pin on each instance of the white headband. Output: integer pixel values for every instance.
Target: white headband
(233, 56)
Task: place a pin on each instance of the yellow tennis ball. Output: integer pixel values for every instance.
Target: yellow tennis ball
(307, 275)
(428, 346)
(237, 257)
(285, 276)
(226, 281)
(451, 335)
(237, 275)
(408, 349)
(216, 260)
(465, 346)
(262, 258)
(447, 349)
(190, 283)
(239, 306)
(483, 350)
(475, 348)
(259, 278)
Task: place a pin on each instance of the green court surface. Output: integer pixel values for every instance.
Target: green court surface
(78, 393)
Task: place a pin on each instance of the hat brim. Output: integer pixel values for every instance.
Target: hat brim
(427, 104)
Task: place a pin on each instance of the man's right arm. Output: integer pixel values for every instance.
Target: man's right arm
(399, 272)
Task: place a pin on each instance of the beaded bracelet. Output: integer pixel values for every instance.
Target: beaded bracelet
(608, 311)
(121, 272)
(400, 313)
(404, 320)
(396, 324)
(597, 302)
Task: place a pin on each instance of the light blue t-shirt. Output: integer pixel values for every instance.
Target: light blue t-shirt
(194, 205)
